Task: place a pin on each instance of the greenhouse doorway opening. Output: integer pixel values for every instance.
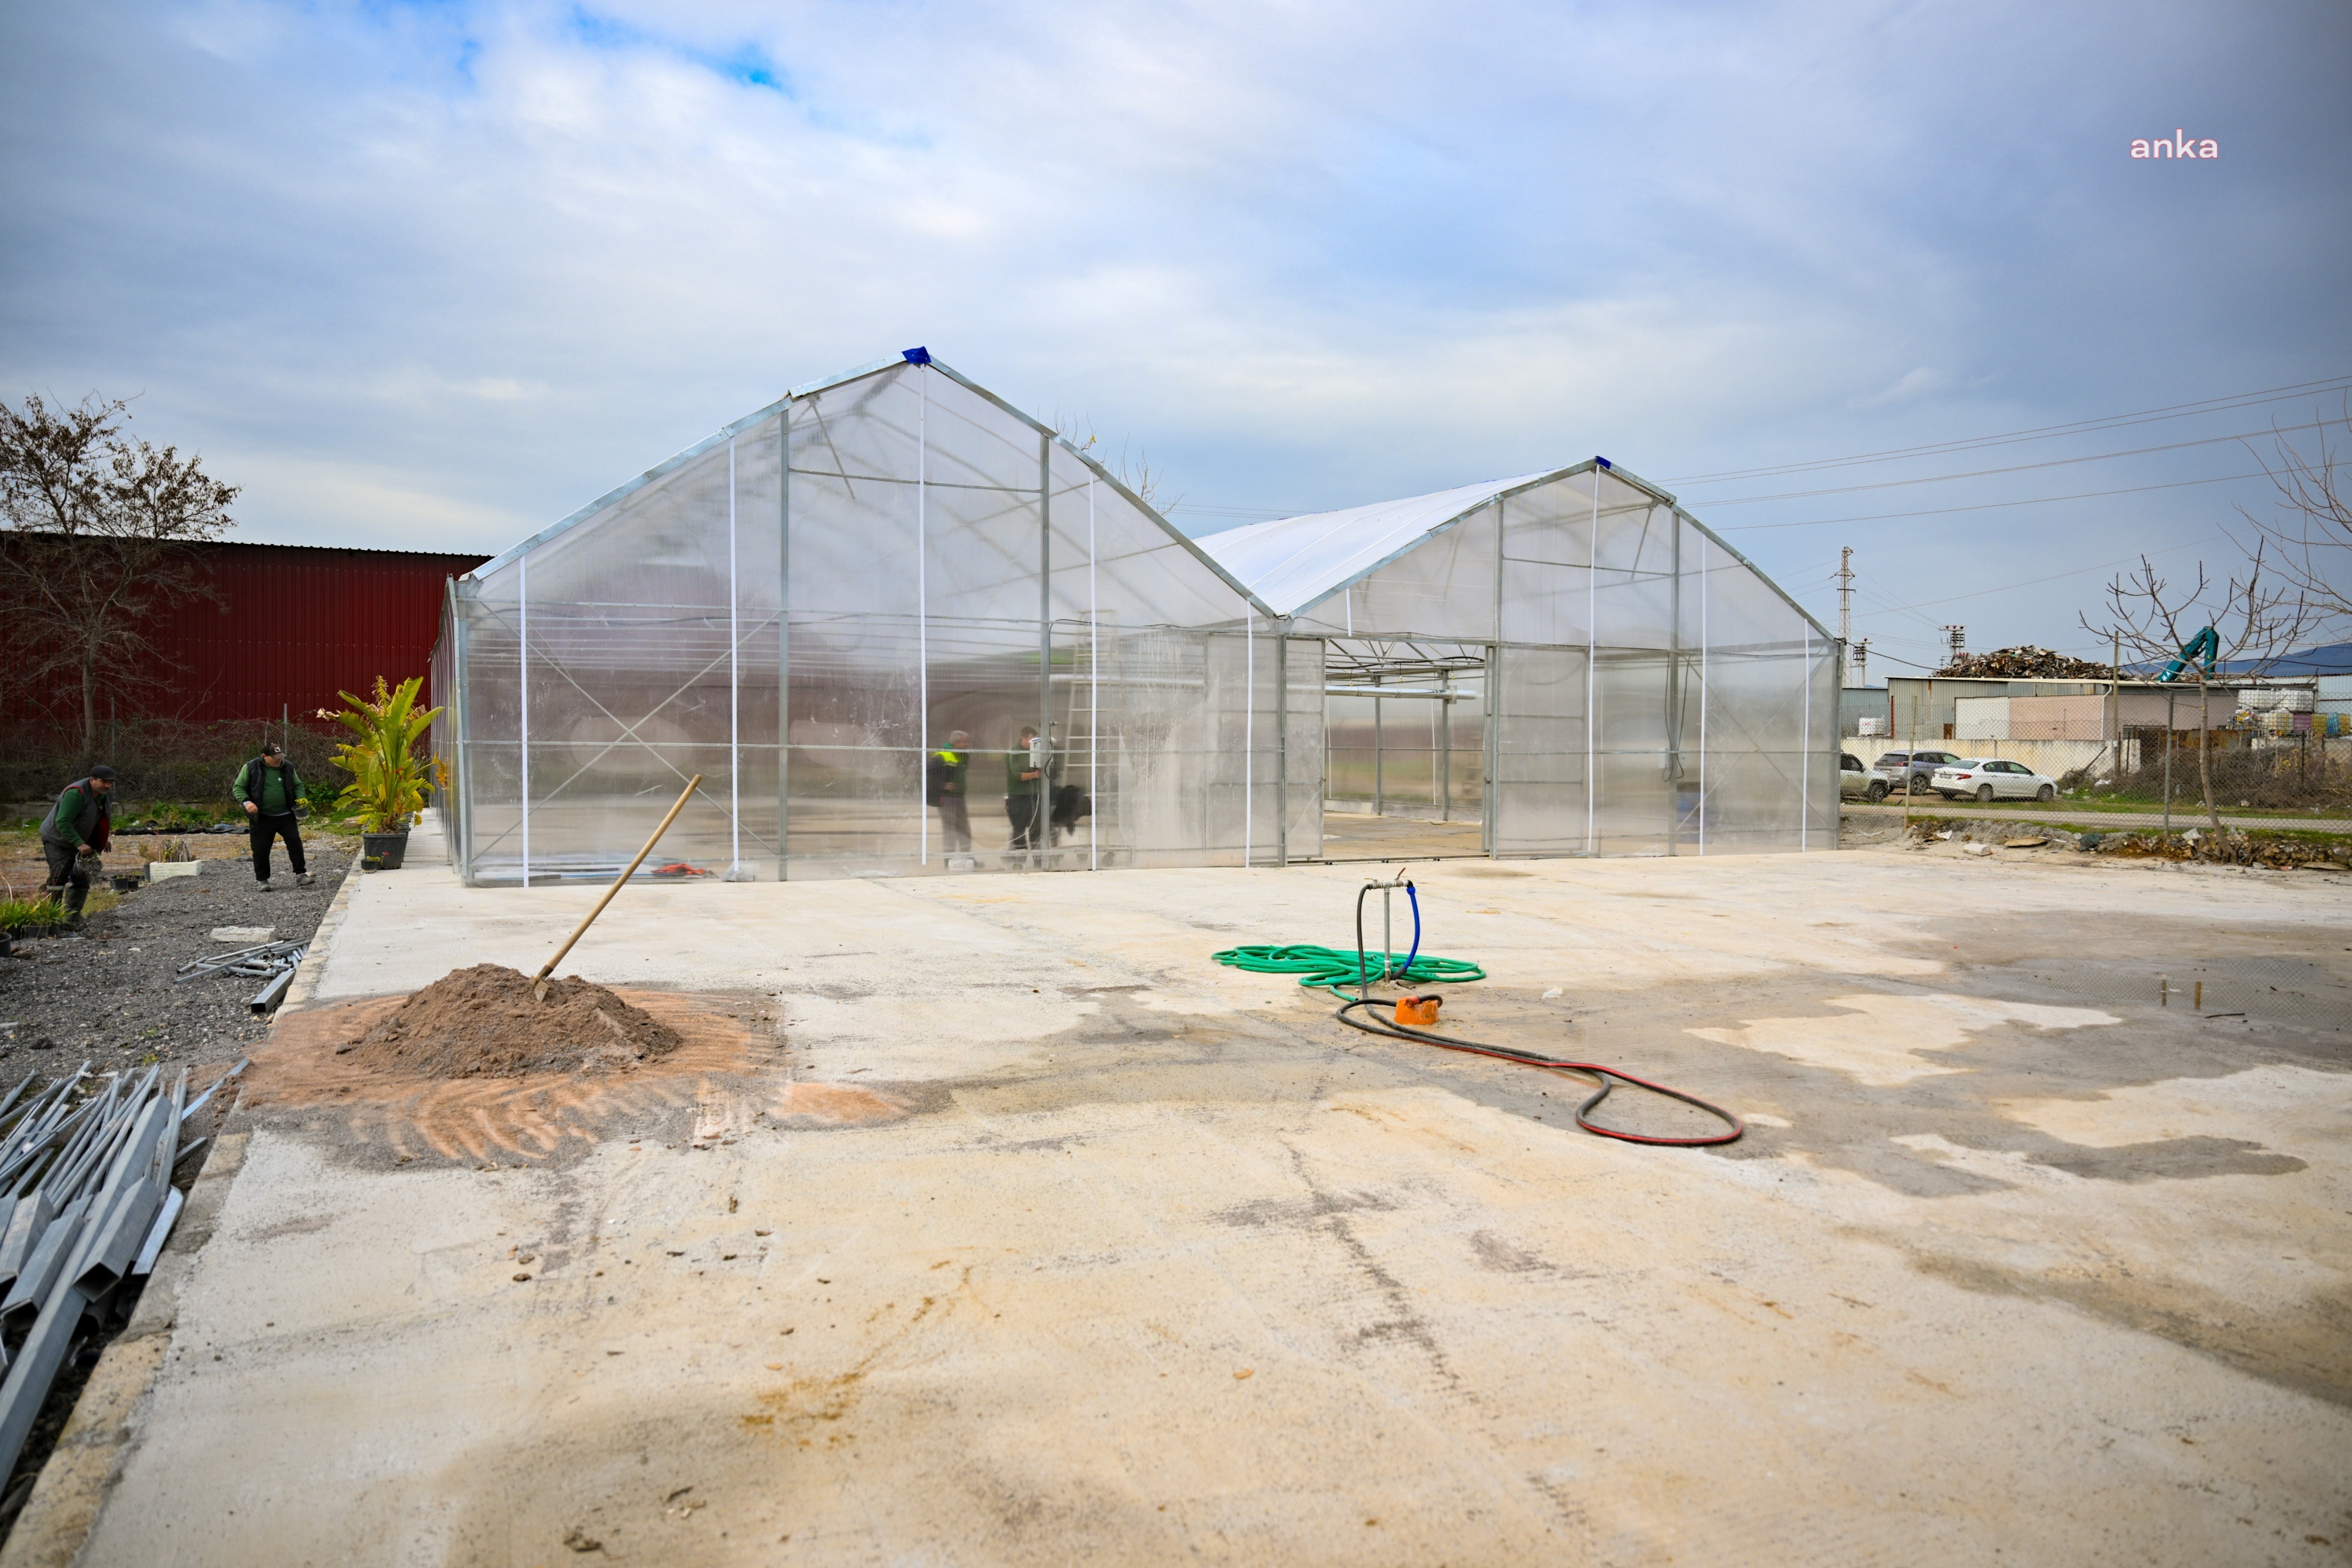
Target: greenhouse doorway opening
(1404, 765)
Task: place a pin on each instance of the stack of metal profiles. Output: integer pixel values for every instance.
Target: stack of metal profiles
(273, 961)
(86, 1201)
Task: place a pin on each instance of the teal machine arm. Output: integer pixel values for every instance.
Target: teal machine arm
(2204, 648)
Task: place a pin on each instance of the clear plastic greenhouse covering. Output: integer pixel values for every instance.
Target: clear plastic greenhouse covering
(1645, 688)
(809, 607)
(845, 611)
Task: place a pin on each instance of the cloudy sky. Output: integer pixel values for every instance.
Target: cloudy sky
(432, 276)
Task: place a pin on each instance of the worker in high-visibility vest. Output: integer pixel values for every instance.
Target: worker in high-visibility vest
(943, 786)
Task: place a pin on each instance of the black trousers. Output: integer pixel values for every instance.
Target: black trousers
(268, 828)
(1028, 822)
(67, 878)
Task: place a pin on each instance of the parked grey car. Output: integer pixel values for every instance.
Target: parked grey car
(1920, 764)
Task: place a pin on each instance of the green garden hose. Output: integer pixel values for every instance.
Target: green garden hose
(1339, 970)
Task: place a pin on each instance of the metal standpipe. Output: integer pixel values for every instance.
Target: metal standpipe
(1365, 979)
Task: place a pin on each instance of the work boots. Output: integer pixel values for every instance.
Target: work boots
(302, 879)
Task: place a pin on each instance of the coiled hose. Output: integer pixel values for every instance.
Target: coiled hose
(1340, 972)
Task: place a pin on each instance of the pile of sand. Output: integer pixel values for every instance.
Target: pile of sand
(484, 1022)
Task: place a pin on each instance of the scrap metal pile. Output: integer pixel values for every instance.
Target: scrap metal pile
(86, 1201)
(273, 961)
(2025, 664)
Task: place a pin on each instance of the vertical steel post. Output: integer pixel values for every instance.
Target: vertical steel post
(1675, 692)
(1281, 745)
(783, 638)
(522, 670)
(1380, 755)
(1041, 820)
(1094, 694)
(1445, 746)
(1592, 665)
(1805, 752)
(922, 616)
(2167, 760)
(2116, 701)
(1489, 741)
(734, 687)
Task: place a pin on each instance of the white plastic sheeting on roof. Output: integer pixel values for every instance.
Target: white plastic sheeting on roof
(1291, 562)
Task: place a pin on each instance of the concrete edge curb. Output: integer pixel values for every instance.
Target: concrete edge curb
(74, 1485)
(313, 968)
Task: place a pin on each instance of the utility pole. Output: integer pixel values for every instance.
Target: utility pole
(1845, 599)
(2116, 702)
(1956, 643)
(1862, 664)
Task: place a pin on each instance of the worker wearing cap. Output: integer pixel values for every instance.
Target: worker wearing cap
(943, 780)
(73, 835)
(1025, 791)
(269, 790)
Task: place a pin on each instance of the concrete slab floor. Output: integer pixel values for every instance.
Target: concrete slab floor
(1033, 1236)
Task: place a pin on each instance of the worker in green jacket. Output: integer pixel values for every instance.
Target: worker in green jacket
(73, 835)
(269, 790)
(1026, 768)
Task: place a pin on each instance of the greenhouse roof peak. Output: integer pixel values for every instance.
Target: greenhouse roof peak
(1291, 563)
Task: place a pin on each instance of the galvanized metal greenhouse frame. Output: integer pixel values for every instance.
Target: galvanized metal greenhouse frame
(805, 607)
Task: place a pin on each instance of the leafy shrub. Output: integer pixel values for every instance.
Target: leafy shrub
(21, 914)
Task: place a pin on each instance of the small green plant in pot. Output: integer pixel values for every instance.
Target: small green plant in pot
(390, 777)
(30, 917)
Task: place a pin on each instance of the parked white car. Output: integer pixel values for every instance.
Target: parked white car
(1992, 777)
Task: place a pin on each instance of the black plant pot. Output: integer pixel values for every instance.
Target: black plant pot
(386, 849)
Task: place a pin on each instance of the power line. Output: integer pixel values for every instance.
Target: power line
(2022, 467)
(1987, 506)
(2039, 433)
(2055, 576)
(2107, 421)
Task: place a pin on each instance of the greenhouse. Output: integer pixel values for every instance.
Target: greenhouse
(898, 627)
(1563, 663)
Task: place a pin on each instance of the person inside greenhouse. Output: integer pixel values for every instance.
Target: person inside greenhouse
(1025, 791)
(73, 835)
(943, 785)
(270, 793)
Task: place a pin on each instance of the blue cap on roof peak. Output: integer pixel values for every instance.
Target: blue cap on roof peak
(919, 356)
(1602, 461)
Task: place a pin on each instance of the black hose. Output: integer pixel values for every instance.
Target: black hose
(1372, 1025)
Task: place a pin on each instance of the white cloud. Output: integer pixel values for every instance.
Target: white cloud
(438, 273)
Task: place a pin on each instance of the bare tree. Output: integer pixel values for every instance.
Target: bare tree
(2309, 532)
(1148, 484)
(2197, 630)
(99, 527)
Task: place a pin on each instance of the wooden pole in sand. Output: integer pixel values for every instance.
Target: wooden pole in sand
(539, 981)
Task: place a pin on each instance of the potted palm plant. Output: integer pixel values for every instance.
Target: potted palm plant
(390, 775)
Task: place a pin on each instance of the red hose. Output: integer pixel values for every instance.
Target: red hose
(1529, 1058)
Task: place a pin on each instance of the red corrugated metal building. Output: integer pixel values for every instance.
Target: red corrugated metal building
(292, 625)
